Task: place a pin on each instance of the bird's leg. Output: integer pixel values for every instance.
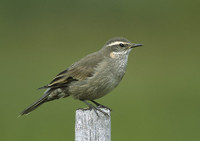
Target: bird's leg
(91, 106)
(95, 108)
(100, 105)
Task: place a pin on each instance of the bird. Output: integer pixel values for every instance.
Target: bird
(90, 78)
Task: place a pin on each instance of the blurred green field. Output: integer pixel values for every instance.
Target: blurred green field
(158, 99)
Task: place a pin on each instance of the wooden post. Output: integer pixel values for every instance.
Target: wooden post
(90, 127)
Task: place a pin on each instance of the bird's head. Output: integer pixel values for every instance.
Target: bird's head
(119, 46)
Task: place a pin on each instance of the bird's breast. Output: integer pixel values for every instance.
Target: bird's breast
(107, 76)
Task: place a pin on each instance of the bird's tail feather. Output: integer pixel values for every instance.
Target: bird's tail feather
(37, 103)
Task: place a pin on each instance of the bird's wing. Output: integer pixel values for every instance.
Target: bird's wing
(80, 70)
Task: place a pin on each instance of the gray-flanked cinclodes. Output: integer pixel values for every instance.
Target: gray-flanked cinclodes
(90, 78)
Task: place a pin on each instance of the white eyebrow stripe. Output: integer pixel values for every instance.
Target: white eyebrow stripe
(116, 43)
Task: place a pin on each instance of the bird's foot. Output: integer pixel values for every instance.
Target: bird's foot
(98, 109)
(92, 107)
(100, 105)
(106, 114)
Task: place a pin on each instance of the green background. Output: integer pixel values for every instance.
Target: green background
(158, 99)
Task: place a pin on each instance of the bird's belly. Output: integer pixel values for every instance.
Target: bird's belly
(94, 88)
(101, 83)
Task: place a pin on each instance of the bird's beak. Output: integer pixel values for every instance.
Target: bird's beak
(136, 45)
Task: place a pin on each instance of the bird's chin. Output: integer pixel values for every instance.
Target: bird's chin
(129, 49)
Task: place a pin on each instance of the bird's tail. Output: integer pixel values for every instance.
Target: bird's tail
(36, 104)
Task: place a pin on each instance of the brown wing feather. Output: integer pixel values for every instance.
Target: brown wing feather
(78, 71)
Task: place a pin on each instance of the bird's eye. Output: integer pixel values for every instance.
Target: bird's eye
(121, 45)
